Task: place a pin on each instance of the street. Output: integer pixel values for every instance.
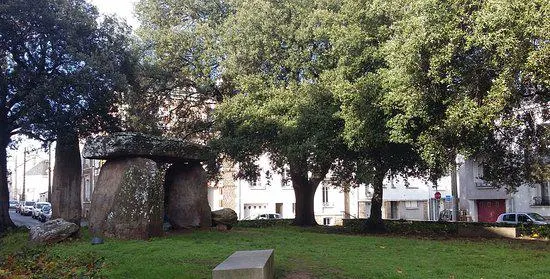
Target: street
(21, 220)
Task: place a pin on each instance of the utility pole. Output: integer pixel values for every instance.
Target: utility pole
(50, 171)
(14, 180)
(23, 197)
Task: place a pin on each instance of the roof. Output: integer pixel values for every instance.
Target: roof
(39, 169)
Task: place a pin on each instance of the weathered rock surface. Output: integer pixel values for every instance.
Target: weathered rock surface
(53, 231)
(186, 196)
(224, 216)
(127, 202)
(126, 144)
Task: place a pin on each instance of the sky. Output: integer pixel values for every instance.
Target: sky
(122, 8)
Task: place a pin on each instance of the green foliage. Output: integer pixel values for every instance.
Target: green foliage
(177, 78)
(461, 81)
(60, 67)
(535, 231)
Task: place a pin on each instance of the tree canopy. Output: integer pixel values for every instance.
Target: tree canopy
(461, 77)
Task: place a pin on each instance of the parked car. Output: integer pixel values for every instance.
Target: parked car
(267, 216)
(14, 204)
(37, 208)
(26, 208)
(45, 213)
(18, 207)
(522, 218)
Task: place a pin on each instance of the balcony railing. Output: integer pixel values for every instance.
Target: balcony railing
(541, 201)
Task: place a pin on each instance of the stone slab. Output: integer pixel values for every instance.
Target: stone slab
(253, 264)
(127, 201)
(128, 144)
(186, 196)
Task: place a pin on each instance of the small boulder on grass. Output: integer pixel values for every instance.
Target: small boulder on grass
(224, 218)
(53, 231)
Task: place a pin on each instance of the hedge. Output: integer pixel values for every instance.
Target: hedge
(407, 227)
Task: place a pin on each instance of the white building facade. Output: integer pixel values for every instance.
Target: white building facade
(411, 198)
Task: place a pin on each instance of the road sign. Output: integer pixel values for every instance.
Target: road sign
(448, 198)
(437, 195)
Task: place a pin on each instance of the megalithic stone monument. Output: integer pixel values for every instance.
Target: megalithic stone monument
(129, 198)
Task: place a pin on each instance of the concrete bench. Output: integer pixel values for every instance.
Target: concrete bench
(255, 264)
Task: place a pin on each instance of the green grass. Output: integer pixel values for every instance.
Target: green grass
(320, 255)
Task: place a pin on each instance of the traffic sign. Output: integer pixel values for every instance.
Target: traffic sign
(437, 195)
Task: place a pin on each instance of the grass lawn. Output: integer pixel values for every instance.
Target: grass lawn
(305, 253)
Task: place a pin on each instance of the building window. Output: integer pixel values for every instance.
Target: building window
(326, 200)
(327, 221)
(411, 204)
(325, 194)
(479, 174)
(544, 198)
(286, 183)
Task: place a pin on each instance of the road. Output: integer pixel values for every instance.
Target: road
(21, 220)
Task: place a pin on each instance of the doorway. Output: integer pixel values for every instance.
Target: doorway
(489, 210)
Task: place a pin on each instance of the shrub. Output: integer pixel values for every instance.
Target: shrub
(35, 262)
(264, 223)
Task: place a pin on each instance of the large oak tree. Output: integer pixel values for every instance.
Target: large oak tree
(276, 53)
(462, 80)
(60, 69)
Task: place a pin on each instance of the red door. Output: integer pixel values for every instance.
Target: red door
(488, 210)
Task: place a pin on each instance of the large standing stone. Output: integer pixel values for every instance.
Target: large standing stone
(126, 144)
(128, 199)
(187, 196)
(53, 231)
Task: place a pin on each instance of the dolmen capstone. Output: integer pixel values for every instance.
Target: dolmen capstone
(145, 181)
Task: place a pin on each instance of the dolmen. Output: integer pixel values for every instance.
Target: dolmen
(145, 181)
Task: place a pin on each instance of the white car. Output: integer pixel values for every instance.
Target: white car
(26, 207)
(37, 208)
(522, 218)
(45, 213)
(268, 216)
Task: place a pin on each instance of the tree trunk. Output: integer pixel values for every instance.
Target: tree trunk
(304, 192)
(67, 176)
(375, 223)
(304, 212)
(5, 220)
(454, 192)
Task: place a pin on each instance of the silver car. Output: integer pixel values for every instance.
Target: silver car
(37, 208)
(26, 208)
(522, 218)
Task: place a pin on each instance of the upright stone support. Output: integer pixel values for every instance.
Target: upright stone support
(127, 202)
(186, 196)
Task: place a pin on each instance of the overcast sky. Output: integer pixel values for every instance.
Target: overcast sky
(122, 8)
